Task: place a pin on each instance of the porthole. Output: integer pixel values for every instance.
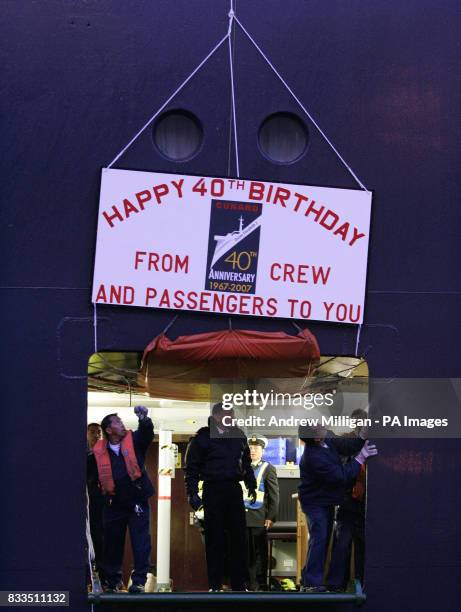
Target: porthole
(178, 135)
(283, 138)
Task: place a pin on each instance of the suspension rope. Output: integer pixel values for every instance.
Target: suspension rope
(357, 339)
(231, 66)
(175, 93)
(301, 105)
(95, 327)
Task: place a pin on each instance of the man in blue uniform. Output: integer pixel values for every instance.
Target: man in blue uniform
(261, 514)
(220, 457)
(350, 526)
(324, 480)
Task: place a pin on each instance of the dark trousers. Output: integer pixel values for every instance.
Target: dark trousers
(320, 522)
(349, 528)
(116, 520)
(224, 511)
(257, 557)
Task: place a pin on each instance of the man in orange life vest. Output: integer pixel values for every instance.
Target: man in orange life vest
(117, 463)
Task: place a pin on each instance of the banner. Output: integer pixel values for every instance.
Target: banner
(231, 246)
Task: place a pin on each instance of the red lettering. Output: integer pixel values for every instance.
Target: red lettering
(258, 305)
(167, 262)
(324, 223)
(282, 195)
(138, 258)
(305, 309)
(256, 191)
(128, 295)
(204, 301)
(341, 312)
(271, 307)
(231, 303)
(165, 299)
(142, 197)
(302, 273)
(317, 211)
(301, 198)
(160, 191)
(151, 294)
(288, 272)
(272, 272)
(318, 273)
(101, 297)
(328, 308)
(355, 318)
(182, 263)
(292, 306)
(115, 294)
(200, 187)
(192, 300)
(342, 231)
(243, 309)
(178, 185)
(116, 215)
(153, 259)
(179, 299)
(129, 208)
(269, 193)
(356, 236)
(218, 302)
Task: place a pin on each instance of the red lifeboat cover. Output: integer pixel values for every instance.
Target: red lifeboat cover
(183, 368)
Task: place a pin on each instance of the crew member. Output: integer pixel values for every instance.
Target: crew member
(219, 455)
(350, 526)
(324, 479)
(96, 504)
(93, 434)
(118, 463)
(261, 514)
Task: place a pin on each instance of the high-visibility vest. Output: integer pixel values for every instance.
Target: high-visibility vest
(200, 514)
(260, 488)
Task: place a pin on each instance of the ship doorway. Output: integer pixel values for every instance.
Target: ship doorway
(114, 386)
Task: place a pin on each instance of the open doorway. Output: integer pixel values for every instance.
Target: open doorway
(116, 386)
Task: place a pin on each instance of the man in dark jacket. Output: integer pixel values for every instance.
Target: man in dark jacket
(261, 514)
(350, 526)
(324, 480)
(219, 456)
(117, 463)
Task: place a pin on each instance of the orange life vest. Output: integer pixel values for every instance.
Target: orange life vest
(101, 454)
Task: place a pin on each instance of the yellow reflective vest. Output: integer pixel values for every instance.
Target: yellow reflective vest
(260, 489)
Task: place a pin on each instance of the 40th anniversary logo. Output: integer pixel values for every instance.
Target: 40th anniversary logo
(233, 246)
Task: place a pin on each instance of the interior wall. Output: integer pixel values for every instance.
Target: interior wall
(80, 78)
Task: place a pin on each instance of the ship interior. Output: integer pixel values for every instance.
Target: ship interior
(117, 383)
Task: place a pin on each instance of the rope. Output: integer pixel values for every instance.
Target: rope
(277, 73)
(234, 116)
(175, 93)
(357, 340)
(95, 327)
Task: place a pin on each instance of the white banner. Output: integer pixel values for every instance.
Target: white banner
(231, 246)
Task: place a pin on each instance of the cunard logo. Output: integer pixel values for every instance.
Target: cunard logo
(233, 246)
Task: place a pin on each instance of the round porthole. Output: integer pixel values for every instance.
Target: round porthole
(283, 138)
(178, 135)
